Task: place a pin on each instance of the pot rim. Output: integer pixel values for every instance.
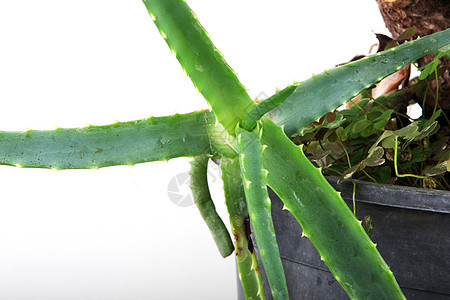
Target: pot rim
(400, 196)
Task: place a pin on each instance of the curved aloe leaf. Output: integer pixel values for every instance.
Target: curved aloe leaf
(237, 209)
(249, 122)
(205, 205)
(323, 93)
(203, 63)
(258, 203)
(326, 220)
(127, 143)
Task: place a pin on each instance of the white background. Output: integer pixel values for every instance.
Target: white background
(114, 233)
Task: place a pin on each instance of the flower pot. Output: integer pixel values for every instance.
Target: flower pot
(411, 229)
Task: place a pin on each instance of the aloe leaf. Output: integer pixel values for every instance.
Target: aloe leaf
(237, 208)
(205, 205)
(258, 204)
(249, 122)
(324, 92)
(127, 143)
(325, 219)
(203, 63)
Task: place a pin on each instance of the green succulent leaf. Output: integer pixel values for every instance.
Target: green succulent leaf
(324, 92)
(201, 60)
(325, 219)
(206, 207)
(259, 205)
(249, 122)
(125, 143)
(247, 264)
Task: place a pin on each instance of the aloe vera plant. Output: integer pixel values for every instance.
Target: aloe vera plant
(326, 220)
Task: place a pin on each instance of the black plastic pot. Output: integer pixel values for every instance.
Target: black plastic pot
(412, 232)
